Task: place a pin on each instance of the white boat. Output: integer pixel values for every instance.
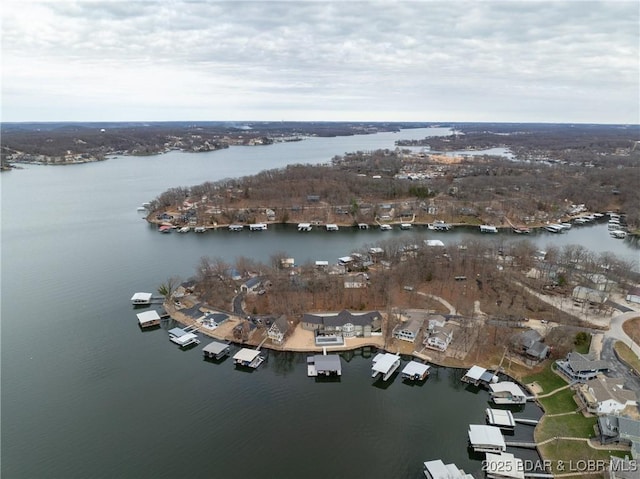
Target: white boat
(304, 226)
(386, 227)
(554, 228)
(618, 234)
(488, 229)
(566, 226)
(439, 225)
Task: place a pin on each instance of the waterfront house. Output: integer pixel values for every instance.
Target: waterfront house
(486, 438)
(216, 350)
(602, 396)
(141, 298)
(507, 392)
(439, 470)
(384, 365)
(439, 338)
(344, 323)
(579, 367)
(530, 345)
(408, 330)
(278, 330)
(621, 430)
(355, 281)
(148, 319)
(324, 365)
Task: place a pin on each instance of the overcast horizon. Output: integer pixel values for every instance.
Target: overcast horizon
(378, 61)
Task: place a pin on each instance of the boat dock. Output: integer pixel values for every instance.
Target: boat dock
(479, 376)
(385, 364)
(248, 357)
(183, 337)
(486, 438)
(507, 392)
(148, 319)
(216, 350)
(324, 365)
(501, 418)
(415, 371)
(141, 299)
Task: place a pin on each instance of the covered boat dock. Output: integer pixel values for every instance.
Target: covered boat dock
(501, 418)
(324, 365)
(148, 319)
(183, 337)
(415, 371)
(248, 357)
(486, 438)
(385, 364)
(216, 350)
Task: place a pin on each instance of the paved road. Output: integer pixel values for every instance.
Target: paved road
(618, 369)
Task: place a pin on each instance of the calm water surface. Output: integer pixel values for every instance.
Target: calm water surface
(85, 393)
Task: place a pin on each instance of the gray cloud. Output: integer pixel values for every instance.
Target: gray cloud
(426, 60)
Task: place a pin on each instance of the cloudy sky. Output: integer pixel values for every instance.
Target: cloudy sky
(550, 61)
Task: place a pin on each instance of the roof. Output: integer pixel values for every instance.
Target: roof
(604, 388)
(504, 465)
(488, 377)
(415, 368)
(148, 316)
(281, 324)
(246, 354)
(384, 361)
(508, 387)
(413, 326)
(141, 297)
(475, 373)
(439, 470)
(329, 362)
(486, 435)
(184, 338)
(579, 362)
(341, 318)
(500, 417)
(252, 282)
(177, 332)
(215, 347)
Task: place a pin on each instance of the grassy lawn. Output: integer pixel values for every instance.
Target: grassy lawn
(571, 425)
(573, 452)
(547, 379)
(562, 401)
(627, 355)
(583, 348)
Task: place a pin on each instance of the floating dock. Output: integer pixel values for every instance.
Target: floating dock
(385, 364)
(501, 418)
(486, 438)
(507, 392)
(248, 357)
(141, 298)
(216, 350)
(324, 365)
(415, 371)
(183, 337)
(148, 319)
(479, 376)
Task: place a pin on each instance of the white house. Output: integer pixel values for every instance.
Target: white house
(439, 338)
(602, 395)
(634, 295)
(278, 330)
(408, 330)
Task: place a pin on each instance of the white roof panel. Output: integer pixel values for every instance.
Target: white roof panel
(475, 373)
(507, 386)
(486, 435)
(414, 367)
(384, 362)
(148, 316)
(246, 354)
(141, 297)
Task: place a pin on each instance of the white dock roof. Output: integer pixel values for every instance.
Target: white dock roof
(215, 347)
(384, 362)
(481, 435)
(439, 470)
(500, 417)
(246, 354)
(475, 373)
(141, 297)
(186, 338)
(148, 316)
(414, 367)
(507, 386)
(504, 465)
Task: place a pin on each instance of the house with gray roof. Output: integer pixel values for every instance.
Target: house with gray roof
(278, 330)
(583, 294)
(530, 345)
(344, 323)
(580, 368)
(604, 396)
(251, 285)
(622, 430)
(408, 330)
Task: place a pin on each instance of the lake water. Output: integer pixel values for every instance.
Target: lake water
(85, 393)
